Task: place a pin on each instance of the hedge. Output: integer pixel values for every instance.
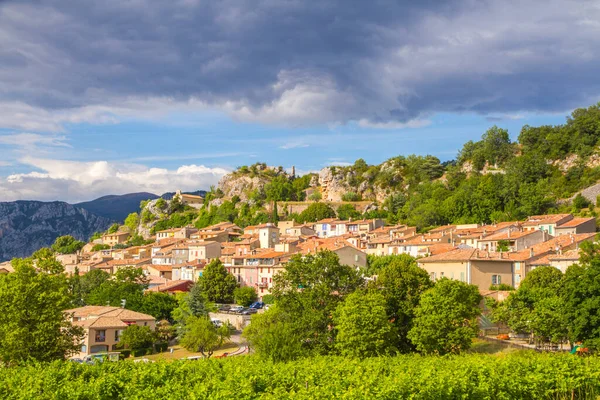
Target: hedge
(519, 375)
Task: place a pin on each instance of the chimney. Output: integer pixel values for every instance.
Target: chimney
(531, 253)
(509, 233)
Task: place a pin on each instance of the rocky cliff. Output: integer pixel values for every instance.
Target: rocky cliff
(242, 184)
(26, 226)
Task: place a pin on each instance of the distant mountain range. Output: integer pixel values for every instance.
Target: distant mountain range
(116, 208)
(26, 226)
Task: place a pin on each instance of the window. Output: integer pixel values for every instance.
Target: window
(462, 276)
(100, 336)
(432, 275)
(117, 335)
(517, 266)
(496, 280)
(83, 348)
(518, 278)
(441, 274)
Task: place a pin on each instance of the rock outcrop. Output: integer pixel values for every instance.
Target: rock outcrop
(242, 184)
(26, 226)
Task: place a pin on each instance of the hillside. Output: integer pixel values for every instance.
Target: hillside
(26, 226)
(114, 207)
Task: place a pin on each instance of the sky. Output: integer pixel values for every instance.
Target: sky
(120, 96)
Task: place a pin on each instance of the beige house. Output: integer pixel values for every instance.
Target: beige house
(103, 326)
(576, 226)
(268, 236)
(112, 239)
(517, 240)
(203, 250)
(547, 223)
(191, 200)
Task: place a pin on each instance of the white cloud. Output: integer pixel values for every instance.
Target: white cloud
(79, 181)
(30, 140)
(294, 145)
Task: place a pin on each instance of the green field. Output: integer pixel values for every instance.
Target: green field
(507, 375)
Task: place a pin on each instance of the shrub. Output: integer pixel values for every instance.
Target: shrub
(351, 196)
(125, 353)
(268, 299)
(315, 196)
(161, 347)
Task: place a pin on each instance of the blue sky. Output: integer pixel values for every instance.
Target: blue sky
(120, 96)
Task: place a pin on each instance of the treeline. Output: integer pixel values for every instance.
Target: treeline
(553, 307)
(512, 376)
(33, 300)
(325, 308)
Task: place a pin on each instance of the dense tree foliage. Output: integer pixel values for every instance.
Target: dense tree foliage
(216, 283)
(67, 245)
(127, 284)
(446, 318)
(201, 335)
(363, 327)
(402, 283)
(33, 324)
(245, 295)
(316, 212)
(137, 337)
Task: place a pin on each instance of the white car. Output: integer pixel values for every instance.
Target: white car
(236, 309)
(216, 322)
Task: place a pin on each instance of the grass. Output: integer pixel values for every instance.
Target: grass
(481, 346)
(180, 352)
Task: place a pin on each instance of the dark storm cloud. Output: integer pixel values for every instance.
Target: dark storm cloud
(304, 61)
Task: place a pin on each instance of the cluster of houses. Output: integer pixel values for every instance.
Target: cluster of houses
(483, 255)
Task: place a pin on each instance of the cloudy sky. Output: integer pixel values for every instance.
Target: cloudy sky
(117, 96)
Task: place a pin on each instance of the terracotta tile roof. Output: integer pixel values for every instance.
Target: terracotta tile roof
(451, 256)
(545, 219)
(101, 322)
(507, 235)
(575, 222)
(569, 255)
(439, 248)
(169, 286)
(333, 244)
(161, 268)
(442, 228)
(108, 311)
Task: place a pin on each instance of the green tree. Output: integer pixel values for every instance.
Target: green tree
(137, 337)
(363, 328)
(90, 281)
(127, 284)
(245, 295)
(581, 297)
(323, 282)
(159, 305)
(274, 335)
(580, 202)
(347, 211)
(216, 283)
(161, 204)
(198, 303)
(67, 245)
(113, 228)
(201, 335)
(351, 196)
(74, 282)
(279, 189)
(315, 196)
(98, 247)
(446, 318)
(402, 283)
(316, 212)
(33, 323)
(132, 221)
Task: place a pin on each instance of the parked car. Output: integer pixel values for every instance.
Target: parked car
(223, 307)
(236, 309)
(248, 311)
(216, 322)
(257, 305)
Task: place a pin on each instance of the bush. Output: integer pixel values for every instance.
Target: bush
(268, 299)
(315, 196)
(351, 196)
(125, 353)
(138, 352)
(502, 286)
(244, 296)
(161, 347)
(99, 247)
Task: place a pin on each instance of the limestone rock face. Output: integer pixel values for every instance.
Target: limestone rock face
(27, 226)
(334, 185)
(238, 184)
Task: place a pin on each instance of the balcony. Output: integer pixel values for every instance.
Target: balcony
(262, 284)
(100, 339)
